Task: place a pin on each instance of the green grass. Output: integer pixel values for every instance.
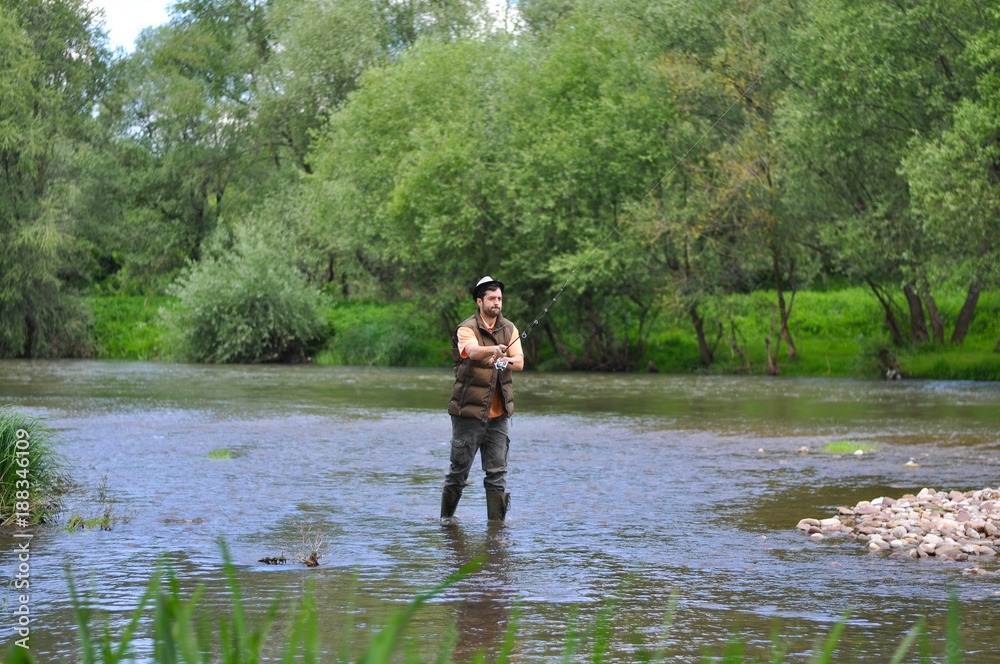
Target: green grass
(127, 327)
(848, 447)
(838, 333)
(30, 470)
(976, 359)
(398, 334)
(186, 629)
(220, 454)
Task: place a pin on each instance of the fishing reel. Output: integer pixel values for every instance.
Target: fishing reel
(501, 363)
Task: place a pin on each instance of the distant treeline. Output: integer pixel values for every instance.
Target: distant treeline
(264, 161)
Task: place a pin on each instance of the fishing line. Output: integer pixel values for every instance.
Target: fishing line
(582, 261)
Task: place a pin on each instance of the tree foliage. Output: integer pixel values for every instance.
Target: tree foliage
(629, 157)
(52, 63)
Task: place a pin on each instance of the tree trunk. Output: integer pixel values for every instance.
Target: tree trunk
(699, 328)
(967, 313)
(784, 312)
(736, 349)
(917, 322)
(555, 338)
(890, 317)
(937, 325)
(772, 359)
(31, 329)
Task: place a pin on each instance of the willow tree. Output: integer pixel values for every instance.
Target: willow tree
(734, 228)
(52, 59)
(869, 80)
(954, 176)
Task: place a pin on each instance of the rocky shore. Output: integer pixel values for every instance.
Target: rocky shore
(944, 525)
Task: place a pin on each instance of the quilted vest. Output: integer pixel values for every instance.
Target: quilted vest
(475, 381)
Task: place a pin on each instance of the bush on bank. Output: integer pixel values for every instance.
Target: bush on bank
(247, 303)
(29, 469)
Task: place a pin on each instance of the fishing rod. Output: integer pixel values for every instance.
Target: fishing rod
(583, 261)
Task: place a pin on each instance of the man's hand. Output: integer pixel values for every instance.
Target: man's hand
(491, 353)
(494, 353)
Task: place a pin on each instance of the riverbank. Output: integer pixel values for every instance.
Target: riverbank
(839, 333)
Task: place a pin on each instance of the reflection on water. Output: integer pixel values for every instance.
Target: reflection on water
(624, 487)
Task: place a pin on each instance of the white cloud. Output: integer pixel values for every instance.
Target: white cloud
(124, 19)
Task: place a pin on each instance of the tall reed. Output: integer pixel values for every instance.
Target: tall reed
(30, 475)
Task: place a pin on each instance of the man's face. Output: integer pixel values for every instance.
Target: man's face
(490, 303)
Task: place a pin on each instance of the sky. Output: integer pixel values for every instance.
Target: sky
(125, 18)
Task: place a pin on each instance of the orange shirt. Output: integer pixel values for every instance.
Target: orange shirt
(467, 337)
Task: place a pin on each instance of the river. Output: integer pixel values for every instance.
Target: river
(625, 488)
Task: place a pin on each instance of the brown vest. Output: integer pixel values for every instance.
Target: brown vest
(475, 381)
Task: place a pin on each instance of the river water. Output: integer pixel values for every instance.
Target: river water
(625, 489)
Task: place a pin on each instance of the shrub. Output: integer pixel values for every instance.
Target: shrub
(247, 303)
(383, 334)
(23, 437)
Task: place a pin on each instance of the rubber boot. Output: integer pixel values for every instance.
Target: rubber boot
(449, 502)
(497, 504)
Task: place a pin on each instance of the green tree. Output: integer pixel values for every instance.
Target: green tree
(954, 176)
(520, 158)
(729, 219)
(52, 62)
(868, 79)
(214, 114)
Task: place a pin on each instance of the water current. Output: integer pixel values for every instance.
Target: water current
(625, 489)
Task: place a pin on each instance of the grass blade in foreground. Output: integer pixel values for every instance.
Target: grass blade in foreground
(383, 644)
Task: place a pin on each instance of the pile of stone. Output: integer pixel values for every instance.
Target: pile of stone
(946, 525)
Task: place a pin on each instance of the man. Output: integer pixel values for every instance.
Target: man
(482, 400)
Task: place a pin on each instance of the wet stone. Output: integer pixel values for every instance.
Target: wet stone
(948, 525)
